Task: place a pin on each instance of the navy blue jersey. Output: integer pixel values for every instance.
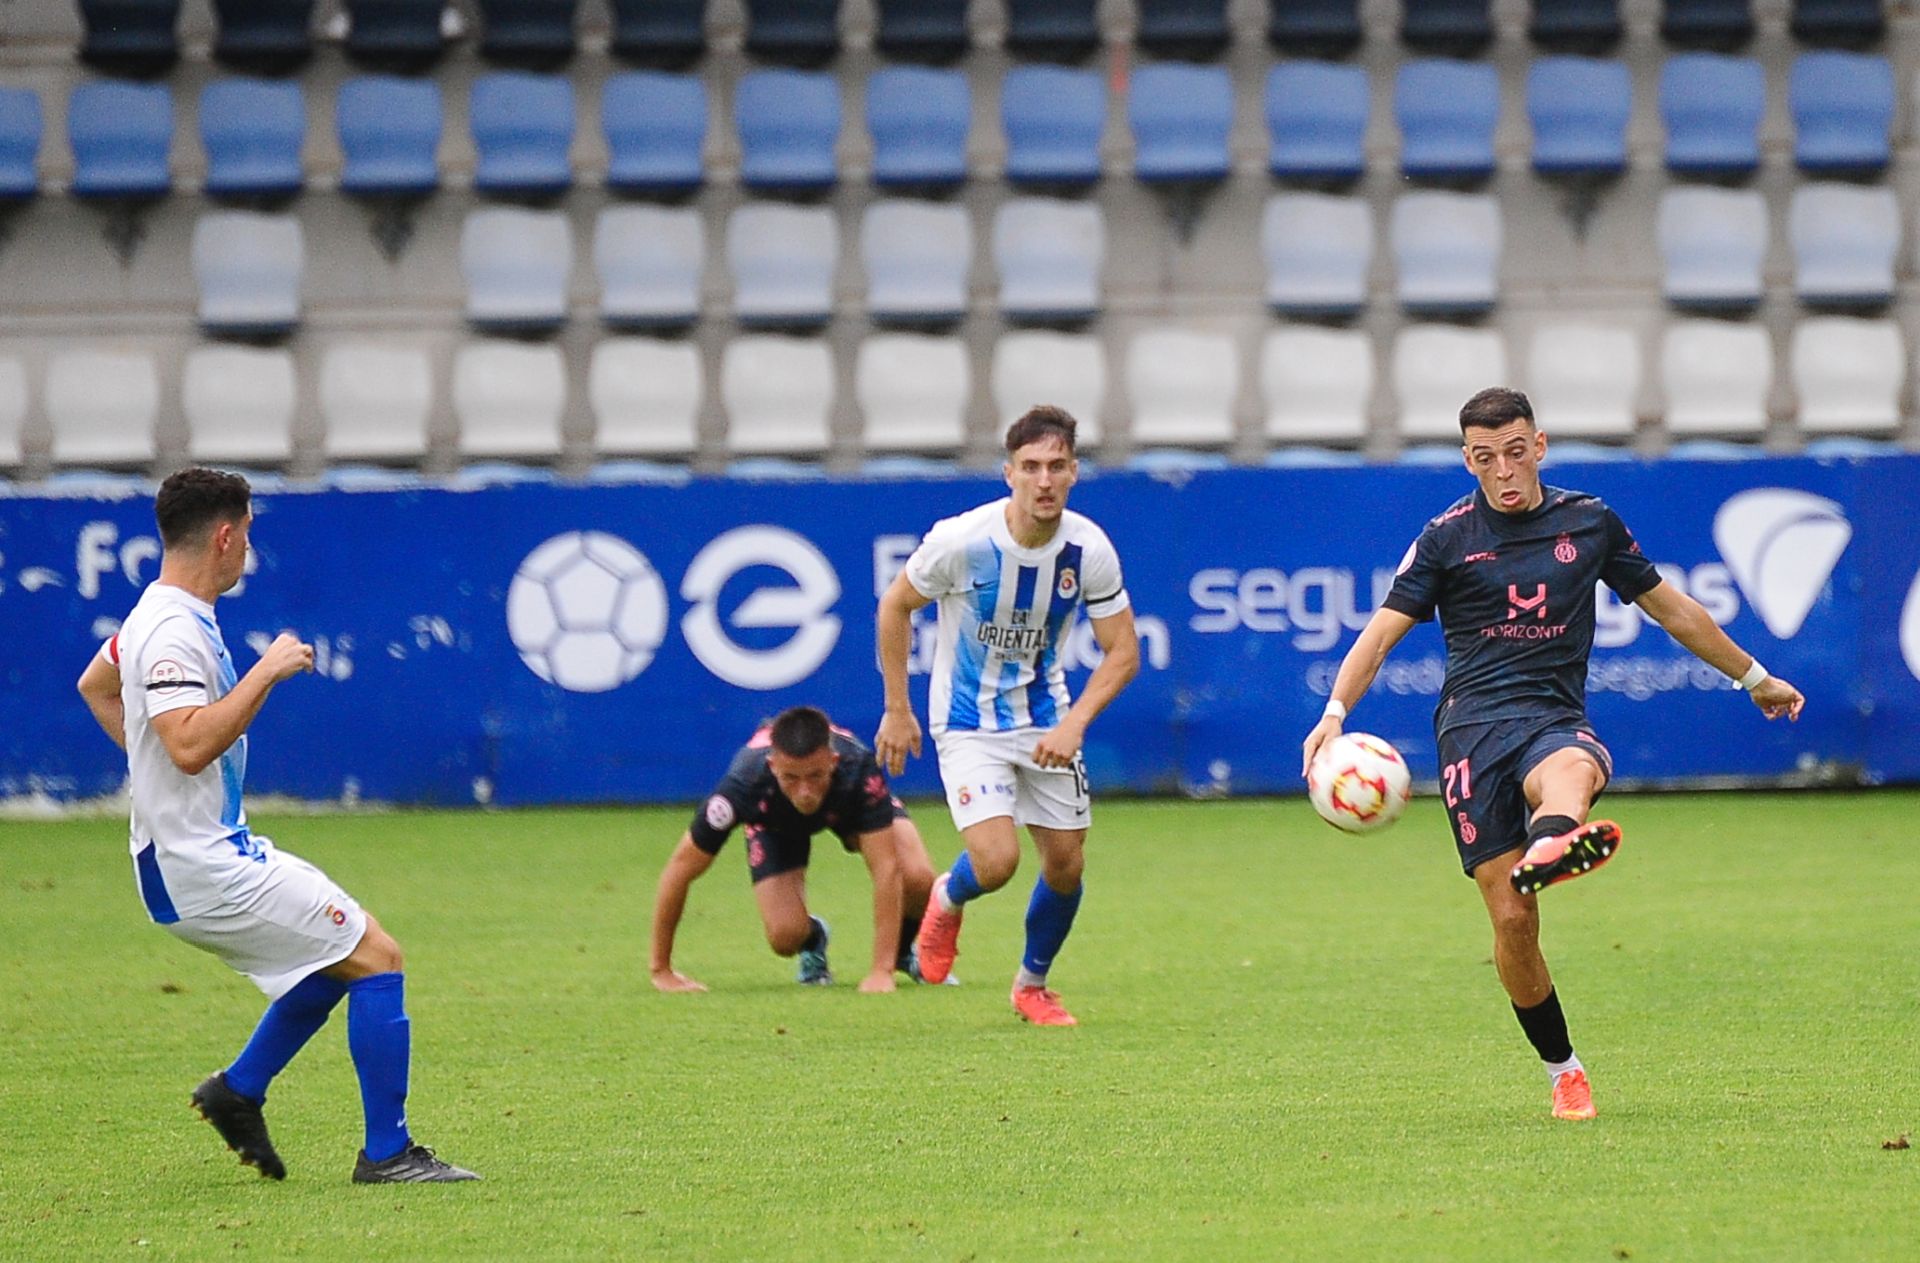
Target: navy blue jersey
(858, 799)
(1515, 596)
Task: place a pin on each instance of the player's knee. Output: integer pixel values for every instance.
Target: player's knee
(996, 868)
(1516, 921)
(787, 938)
(1062, 872)
(378, 952)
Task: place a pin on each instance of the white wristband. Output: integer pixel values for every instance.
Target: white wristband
(1336, 709)
(1754, 675)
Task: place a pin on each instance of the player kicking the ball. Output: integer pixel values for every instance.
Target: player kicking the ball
(1510, 570)
(1009, 577)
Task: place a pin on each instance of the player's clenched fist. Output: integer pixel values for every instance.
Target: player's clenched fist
(287, 657)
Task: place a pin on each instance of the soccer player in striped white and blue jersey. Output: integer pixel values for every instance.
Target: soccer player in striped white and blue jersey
(1010, 577)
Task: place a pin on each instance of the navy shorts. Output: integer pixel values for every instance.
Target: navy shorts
(1483, 774)
(771, 852)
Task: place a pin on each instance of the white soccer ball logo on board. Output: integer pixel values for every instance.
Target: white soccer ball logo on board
(587, 611)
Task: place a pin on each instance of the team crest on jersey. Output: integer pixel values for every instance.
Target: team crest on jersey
(166, 674)
(1563, 550)
(334, 914)
(1468, 834)
(1069, 583)
(719, 812)
(965, 795)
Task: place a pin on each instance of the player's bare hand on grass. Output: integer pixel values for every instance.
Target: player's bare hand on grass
(1059, 746)
(287, 657)
(898, 737)
(1775, 697)
(674, 980)
(1326, 730)
(877, 983)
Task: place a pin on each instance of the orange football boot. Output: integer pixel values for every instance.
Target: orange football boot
(1573, 1096)
(938, 942)
(1551, 861)
(1041, 1007)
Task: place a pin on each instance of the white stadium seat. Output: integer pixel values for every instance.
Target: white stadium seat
(1048, 254)
(239, 403)
(649, 260)
(1584, 380)
(917, 256)
(1713, 242)
(517, 263)
(102, 405)
(509, 398)
(1848, 374)
(13, 408)
(1067, 370)
(375, 401)
(1437, 368)
(1317, 384)
(1446, 251)
(912, 392)
(1845, 240)
(1716, 376)
(778, 394)
(1319, 249)
(782, 259)
(1182, 385)
(646, 397)
(247, 266)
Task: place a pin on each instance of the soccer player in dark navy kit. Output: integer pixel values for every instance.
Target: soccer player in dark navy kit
(800, 775)
(1510, 570)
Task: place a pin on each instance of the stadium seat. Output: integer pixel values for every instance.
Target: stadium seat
(102, 406)
(1317, 118)
(267, 37)
(252, 130)
(396, 35)
(912, 391)
(1842, 107)
(1845, 238)
(1180, 116)
(1717, 24)
(1052, 30)
(1579, 107)
(1575, 26)
(629, 473)
(130, 37)
(509, 398)
(646, 397)
(1447, 111)
(1435, 369)
(1317, 384)
(1715, 376)
(375, 400)
(917, 257)
(789, 122)
(1446, 251)
(516, 263)
(21, 123)
(1714, 242)
(389, 131)
(1319, 253)
(923, 30)
(522, 128)
(1712, 106)
(918, 118)
(1314, 28)
(239, 403)
(1456, 28)
(122, 135)
(1838, 23)
(1584, 380)
(649, 260)
(782, 260)
(1847, 374)
(1068, 370)
(248, 267)
(13, 409)
(1053, 118)
(527, 33)
(656, 129)
(662, 34)
(778, 393)
(1192, 30)
(796, 32)
(1182, 384)
(1049, 255)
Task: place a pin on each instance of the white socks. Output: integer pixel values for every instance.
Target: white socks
(1027, 978)
(1557, 1068)
(940, 894)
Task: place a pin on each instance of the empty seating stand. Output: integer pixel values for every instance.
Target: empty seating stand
(1713, 242)
(248, 267)
(778, 393)
(1189, 29)
(516, 262)
(1842, 106)
(239, 403)
(797, 32)
(660, 34)
(1585, 378)
(918, 118)
(649, 261)
(509, 399)
(1049, 254)
(522, 129)
(1838, 23)
(1317, 120)
(1053, 118)
(645, 394)
(782, 259)
(533, 34)
(923, 30)
(912, 391)
(1180, 116)
(916, 256)
(1437, 367)
(1715, 376)
(1068, 370)
(1446, 251)
(102, 405)
(788, 122)
(1847, 374)
(268, 37)
(122, 136)
(1182, 384)
(1319, 251)
(1845, 240)
(130, 37)
(21, 125)
(1316, 384)
(1447, 112)
(655, 125)
(1712, 106)
(1723, 25)
(252, 130)
(1314, 28)
(1575, 26)
(375, 401)
(402, 35)
(1579, 108)
(1458, 28)
(1052, 30)
(389, 131)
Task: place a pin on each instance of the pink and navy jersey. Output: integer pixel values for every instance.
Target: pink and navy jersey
(1515, 597)
(858, 800)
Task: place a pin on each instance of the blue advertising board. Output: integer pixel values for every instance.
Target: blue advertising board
(552, 643)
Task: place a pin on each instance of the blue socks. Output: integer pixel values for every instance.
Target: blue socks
(1049, 919)
(962, 885)
(284, 1030)
(380, 1039)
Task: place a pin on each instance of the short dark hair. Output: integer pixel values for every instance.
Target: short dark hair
(194, 499)
(801, 730)
(1039, 422)
(1493, 408)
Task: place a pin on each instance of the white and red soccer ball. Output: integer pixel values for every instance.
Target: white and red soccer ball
(1359, 783)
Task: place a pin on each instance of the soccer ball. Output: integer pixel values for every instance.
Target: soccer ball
(1359, 783)
(586, 610)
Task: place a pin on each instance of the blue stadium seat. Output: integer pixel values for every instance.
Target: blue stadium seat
(1317, 115)
(1579, 108)
(1712, 105)
(923, 30)
(130, 37)
(252, 130)
(798, 32)
(121, 135)
(1052, 30)
(1838, 23)
(1575, 26)
(1460, 28)
(919, 118)
(1314, 28)
(663, 34)
(522, 127)
(21, 123)
(267, 37)
(1842, 111)
(789, 122)
(394, 34)
(1447, 111)
(1845, 240)
(1053, 118)
(656, 126)
(1193, 30)
(533, 34)
(1180, 116)
(389, 131)
(1723, 25)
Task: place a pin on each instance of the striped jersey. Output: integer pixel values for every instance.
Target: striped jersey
(1004, 614)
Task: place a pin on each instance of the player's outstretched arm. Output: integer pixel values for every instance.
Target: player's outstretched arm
(670, 900)
(1119, 663)
(899, 733)
(1689, 623)
(99, 687)
(881, 853)
(197, 735)
(1383, 631)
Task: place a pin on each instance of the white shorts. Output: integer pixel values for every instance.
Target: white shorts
(990, 774)
(297, 922)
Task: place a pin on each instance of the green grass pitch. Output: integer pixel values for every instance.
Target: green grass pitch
(1292, 1046)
